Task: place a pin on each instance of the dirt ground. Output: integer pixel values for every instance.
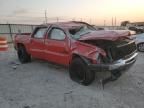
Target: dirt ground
(40, 84)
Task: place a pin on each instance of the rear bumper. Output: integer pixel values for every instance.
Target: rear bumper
(122, 64)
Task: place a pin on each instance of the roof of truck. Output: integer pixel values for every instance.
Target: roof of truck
(68, 24)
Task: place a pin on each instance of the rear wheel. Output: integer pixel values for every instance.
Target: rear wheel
(79, 72)
(23, 56)
(140, 47)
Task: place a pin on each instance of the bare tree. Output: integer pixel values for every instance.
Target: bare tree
(124, 23)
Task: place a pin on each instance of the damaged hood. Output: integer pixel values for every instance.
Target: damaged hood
(105, 35)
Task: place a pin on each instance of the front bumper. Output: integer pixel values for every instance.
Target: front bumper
(121, 64)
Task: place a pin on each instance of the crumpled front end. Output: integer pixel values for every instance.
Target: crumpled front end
(106, 55)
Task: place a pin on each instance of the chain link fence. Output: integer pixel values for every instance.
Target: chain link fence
(9, 30)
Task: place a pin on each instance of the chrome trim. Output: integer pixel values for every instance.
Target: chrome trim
(125, 44)
(123, 62)
(132, 57)
(127, 56)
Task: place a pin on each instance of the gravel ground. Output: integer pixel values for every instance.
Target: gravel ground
(40, 84)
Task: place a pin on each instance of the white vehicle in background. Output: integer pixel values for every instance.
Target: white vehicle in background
(139, 39)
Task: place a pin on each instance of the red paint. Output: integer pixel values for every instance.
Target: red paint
(61, 52)
(107, 35)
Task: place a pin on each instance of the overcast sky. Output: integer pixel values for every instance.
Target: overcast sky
(93, 11)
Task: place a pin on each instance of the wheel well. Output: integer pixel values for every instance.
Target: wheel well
(141, 43)
(75, 56)
(138, 45)
(81, 57)
(20, 45)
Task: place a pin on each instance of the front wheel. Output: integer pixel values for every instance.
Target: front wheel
(140, 47)
(79, 72)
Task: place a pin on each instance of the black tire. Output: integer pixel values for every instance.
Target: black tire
(23, 56)
(139, 47)
(79, 72)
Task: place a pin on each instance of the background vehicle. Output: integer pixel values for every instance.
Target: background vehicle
(137, 29)
(139, 39)
(80, 47)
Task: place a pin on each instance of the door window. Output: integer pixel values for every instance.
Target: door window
(40, 33)
(57, 34)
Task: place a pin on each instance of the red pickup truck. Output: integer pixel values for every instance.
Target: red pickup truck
(79, 46)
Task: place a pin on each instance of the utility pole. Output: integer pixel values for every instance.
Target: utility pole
(104, 23)
(57, 19)
(46, 16)
(112, 21)
(115, 21)
(90, 21)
